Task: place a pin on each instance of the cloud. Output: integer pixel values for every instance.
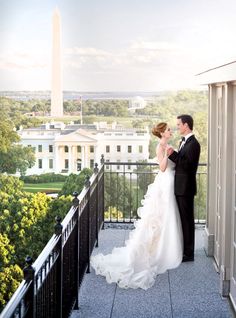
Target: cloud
(153, 46)
(137, 54)
(86, 51)
(22, 60)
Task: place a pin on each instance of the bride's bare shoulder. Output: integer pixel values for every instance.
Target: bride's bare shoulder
(159, 149)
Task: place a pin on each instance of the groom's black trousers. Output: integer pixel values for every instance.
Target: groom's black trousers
(186, 211)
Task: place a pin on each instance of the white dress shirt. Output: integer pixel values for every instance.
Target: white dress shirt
(184, 141)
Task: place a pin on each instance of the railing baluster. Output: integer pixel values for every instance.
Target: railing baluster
(29, 278)
(87, 185)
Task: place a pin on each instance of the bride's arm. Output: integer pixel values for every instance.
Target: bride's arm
(162, 158)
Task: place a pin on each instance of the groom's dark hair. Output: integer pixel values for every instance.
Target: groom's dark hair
(187, 119)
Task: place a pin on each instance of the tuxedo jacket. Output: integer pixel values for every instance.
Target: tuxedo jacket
(186, 160)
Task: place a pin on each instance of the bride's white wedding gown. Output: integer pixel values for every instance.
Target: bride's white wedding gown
(155, 244)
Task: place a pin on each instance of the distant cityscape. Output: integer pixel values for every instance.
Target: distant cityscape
(72, 95)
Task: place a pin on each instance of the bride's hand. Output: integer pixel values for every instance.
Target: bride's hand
(169, 150)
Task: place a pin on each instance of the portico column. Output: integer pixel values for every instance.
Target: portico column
(57, 167)
(86, 156)
(73, 159)
(82, 158)
(70, 159)
(96, 160)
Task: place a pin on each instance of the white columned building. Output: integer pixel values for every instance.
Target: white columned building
(69, 149)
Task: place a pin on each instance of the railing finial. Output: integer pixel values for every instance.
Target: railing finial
(58, 227)
(75, 201)
(95, 169)
(28, 270)
(102, 159)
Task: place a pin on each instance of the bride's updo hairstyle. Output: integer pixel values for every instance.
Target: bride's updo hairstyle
(158, 129)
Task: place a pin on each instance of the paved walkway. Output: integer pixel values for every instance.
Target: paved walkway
(191, 290)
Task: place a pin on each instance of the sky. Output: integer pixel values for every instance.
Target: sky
(115, 45)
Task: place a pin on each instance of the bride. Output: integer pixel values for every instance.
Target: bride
(155, 245)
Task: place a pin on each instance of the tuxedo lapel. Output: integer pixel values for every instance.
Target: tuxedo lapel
(179, 145)
(186, 142)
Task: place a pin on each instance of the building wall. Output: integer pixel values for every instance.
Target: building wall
(221, 228)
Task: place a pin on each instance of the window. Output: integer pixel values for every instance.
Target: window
(50, 163)
(91, 163)
(40, 148)
(66, 164)
(107, 166)
(79, 165)
(91, 148)
(78, 148)
(50, 148)
(66, 148)
(118, 148)
(140, 148)
(129, 149)
(107, 148)
(40, 163)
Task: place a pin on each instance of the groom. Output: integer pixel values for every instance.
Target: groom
(186, 160)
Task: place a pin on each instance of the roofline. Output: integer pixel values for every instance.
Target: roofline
(214, 68)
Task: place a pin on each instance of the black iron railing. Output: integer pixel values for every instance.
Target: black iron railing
(126, 184)
(51, 284)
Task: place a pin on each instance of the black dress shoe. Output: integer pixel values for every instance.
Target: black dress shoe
(188, 258)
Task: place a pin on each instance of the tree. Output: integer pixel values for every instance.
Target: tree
(75, 182)
(13, 157)
(10, 185)
(17, 158)
(7, 135)
(10, 278)
(145, 176)
(119, 193)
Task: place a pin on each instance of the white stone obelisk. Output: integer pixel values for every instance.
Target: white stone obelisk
(56, 92)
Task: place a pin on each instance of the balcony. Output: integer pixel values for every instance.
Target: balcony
(60, 281)
(191, 290)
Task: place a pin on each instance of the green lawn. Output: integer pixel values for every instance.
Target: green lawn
(43, 187)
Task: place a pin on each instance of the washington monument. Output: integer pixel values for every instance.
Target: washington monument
(56, 91)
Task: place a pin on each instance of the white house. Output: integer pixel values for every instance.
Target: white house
(221, 211)
(69, 148)
(136, 103)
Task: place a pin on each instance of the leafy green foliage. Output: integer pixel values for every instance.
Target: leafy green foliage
(75, 182)
(44, 178)
(13, 157)
(146, 176)
(26, 224)
(17, 158)
(119, 193)
(10, 277)
(10, 185)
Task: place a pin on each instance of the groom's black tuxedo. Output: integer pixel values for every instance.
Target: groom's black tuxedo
(186, 160)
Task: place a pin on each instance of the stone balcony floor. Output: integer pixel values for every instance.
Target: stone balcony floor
(191, 290)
